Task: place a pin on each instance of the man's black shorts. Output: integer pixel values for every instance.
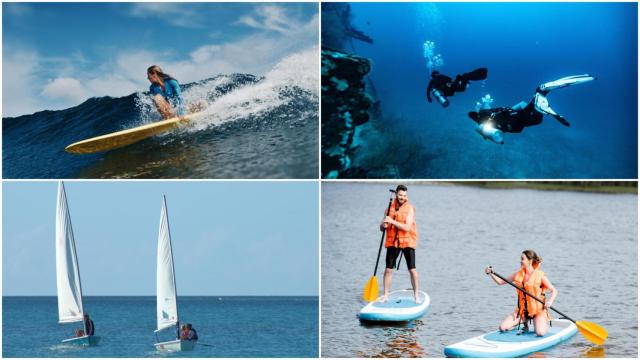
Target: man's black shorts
(409, 256)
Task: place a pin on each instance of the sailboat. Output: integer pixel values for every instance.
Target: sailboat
(166, 296)
(70, 307)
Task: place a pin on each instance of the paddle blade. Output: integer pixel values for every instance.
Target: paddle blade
(371, 290)
(593, 332)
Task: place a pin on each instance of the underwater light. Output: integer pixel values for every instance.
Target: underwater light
(489, 132)
(488, 126)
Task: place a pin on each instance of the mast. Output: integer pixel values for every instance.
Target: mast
(173, 267)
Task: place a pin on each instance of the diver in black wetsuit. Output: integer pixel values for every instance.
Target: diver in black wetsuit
(495, 121)
(511, 119)
(442, 86)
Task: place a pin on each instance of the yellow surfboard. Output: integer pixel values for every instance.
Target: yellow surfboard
(127, 137)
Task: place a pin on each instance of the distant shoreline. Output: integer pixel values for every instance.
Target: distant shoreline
(606, 187)
(600, 187)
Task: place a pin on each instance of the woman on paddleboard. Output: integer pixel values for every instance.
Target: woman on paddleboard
(166, 93)
(534, 281)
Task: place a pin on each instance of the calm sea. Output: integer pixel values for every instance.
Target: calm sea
(227, 326)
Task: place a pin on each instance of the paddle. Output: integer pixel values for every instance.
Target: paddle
(371, 288)
(593, 332)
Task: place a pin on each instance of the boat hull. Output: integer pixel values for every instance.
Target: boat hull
(176, 345)
(509, 344)
(83, 341)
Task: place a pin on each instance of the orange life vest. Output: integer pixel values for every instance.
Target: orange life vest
(528, 308)
(400, 238)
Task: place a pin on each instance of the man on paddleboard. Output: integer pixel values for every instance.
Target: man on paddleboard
(402, 237)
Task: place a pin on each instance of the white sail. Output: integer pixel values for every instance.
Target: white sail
(68, 274)
(167, 308)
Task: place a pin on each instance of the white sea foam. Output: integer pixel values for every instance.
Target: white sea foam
(299, 70)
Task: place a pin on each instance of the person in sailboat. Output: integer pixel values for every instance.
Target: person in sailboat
(192, 334)
(184, 335)
(88, 324)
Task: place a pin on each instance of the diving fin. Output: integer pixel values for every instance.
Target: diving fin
(564, 82)
(542, 105)
(476, 75)
(562, 120)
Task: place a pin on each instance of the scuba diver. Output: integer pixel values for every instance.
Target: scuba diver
(493, 122)
(442, 86)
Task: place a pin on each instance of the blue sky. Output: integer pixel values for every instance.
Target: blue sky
(56, 55)
(229, 238)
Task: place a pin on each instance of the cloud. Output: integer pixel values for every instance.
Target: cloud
(273, 18)
(216, 35)
(124, 72)
(205, 53)
(25, 92)
(65, 89)
(182, 15)
(19, 70)
(253, 54)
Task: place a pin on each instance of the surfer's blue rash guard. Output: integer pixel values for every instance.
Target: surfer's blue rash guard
(171, 93)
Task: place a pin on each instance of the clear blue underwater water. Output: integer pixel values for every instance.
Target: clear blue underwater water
(523, 45)
(273, 326)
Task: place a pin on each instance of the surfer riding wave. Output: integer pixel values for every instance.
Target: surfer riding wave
(167, 95)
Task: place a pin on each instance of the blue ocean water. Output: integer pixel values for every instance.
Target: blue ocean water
(523, 45)
(254, 127)
(273, 326)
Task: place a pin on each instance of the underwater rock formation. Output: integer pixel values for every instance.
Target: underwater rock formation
(348, 99)
(345, 105)
(336, 26)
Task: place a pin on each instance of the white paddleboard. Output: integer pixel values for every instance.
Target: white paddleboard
(498, 344)
(400, 306)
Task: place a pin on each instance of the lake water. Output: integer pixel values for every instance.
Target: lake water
(588, 243)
